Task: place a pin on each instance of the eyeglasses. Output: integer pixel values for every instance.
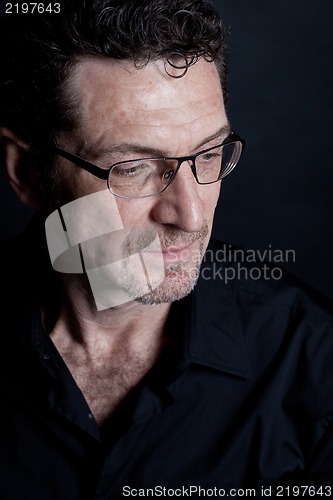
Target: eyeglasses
(144, 177)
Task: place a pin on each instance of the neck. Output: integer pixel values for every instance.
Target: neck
(107, 352)
(77, 320)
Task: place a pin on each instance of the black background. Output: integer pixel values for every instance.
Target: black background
(281, 103)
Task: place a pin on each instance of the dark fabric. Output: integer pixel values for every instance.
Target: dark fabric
(242, 398)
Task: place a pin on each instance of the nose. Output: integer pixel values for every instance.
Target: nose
(180, 204)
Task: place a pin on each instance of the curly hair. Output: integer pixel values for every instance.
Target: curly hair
(41, 50)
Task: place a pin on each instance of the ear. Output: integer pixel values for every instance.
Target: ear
(18, 166)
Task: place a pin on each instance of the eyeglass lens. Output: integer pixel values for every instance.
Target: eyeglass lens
(139, 178)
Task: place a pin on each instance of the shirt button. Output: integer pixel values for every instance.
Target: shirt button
(46, 356)
(90, 416)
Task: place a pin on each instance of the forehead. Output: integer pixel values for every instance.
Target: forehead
(119, 101)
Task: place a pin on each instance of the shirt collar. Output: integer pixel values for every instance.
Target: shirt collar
(215, 337)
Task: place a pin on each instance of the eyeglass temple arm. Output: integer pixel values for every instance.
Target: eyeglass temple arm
(101, 173)
(235, 137)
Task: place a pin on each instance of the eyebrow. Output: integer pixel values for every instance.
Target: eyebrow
(223, 132)
(126, 148)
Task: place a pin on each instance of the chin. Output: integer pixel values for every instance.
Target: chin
(175, 286)
(178, 281)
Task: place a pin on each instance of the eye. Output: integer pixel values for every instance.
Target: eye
(129, 170)
(210, 156)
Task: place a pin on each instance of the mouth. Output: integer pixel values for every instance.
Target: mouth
(180, 253)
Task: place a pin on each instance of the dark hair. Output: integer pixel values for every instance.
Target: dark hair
(41, 49)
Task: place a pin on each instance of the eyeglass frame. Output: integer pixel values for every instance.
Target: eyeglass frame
(104, 174)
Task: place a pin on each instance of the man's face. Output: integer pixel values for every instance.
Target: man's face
(126, 112)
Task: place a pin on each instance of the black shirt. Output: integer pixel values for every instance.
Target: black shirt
(242, 399)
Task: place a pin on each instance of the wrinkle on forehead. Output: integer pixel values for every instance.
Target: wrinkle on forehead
(186, 133)
(118, 99)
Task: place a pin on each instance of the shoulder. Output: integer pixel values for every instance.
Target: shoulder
(259, 278)
(277, 316)
(283, 325)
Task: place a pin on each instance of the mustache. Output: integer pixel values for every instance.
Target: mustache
(138, 238)
(176, 237)
(118, 245)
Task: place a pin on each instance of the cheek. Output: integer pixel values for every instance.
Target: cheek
(137, 212)
(133, 212)
(71, 184)
(209, 199)
(65, 189)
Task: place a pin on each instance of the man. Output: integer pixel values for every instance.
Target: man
(125, 370)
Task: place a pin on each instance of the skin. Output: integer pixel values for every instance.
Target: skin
(119, 104)
(172, 117)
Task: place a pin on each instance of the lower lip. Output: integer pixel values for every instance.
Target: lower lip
(182, 255)
(175, 255)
